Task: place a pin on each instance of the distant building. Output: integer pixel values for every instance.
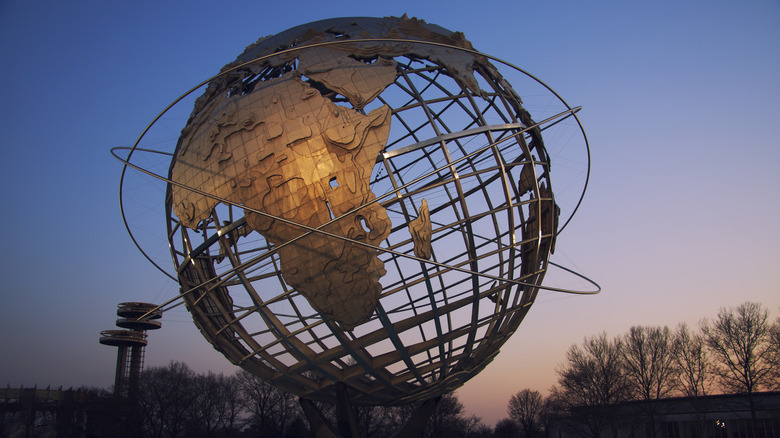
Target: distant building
(35, 412)
(714, 416)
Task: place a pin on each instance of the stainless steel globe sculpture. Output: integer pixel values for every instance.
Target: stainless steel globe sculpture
(361, 202)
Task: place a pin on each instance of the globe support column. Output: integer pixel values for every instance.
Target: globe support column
(415, 425)
(345, 417)
(318, 424)
(347, 420)
(345, 413)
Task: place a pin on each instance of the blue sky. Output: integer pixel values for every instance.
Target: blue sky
(681, 218)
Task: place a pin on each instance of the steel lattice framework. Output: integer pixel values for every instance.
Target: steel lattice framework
(461, 141)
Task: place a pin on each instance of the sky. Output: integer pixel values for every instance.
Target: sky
(680, 105)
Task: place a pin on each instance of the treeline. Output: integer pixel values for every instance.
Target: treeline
(174, 401)
(738, 352)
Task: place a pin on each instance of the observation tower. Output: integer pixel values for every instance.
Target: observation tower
(130, 343)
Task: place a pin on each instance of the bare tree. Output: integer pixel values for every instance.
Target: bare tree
(447, 420)
(527, 408)
(694, 370)
(506, 428)
(649, 358)
(774, 357)
(216, 406)
(740, 343)
(591, 382)
(165, 398)
(397, 416)
(271, 409)
(694, 373)
(481, 430)
(371, 421)
(650, 367)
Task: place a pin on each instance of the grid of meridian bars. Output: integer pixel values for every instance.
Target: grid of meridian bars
(485, 176)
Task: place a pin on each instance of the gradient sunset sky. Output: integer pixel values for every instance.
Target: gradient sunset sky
(681, 104)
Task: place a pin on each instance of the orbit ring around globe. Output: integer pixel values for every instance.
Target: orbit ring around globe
(449, 296)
